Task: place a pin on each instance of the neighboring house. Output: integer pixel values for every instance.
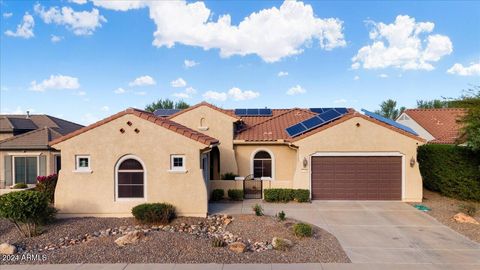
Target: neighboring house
(24, 147)
(439, 126)
(135, 156)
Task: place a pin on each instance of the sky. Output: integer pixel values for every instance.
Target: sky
(83, 60)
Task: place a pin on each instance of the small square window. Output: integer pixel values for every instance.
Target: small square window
(177, 163)
(82, 163)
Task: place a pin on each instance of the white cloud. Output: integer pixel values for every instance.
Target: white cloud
(459, 69)
(403, 45)
(383, 76)
(79, 22)
(188, 93)
(140, 93)
(89, 118)
(189, 63)
(80, 2)
(190, 90)
(356, 78)
(212, 95)
(105, 108)
(296, 90)
(55, 82)
(18, 110)
(237, 94)
(7, 15)
(56, 39)
(119, 91)
(25, 29)
(282, 73)
(178, 83)
(272, 33)
(340, 101)
(142, 81)
(181, 95)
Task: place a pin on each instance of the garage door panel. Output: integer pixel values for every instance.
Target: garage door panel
(356, 178)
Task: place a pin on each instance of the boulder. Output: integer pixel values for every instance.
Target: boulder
(462, 218)
(237, 247)
(130, 238)
(281, 243)
(7, 249)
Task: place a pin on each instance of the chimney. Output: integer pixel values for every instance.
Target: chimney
(28, 114)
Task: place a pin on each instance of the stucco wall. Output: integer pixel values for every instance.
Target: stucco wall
(93, 194)
(368, 137)
(220, 126)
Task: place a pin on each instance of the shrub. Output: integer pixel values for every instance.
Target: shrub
(468, 208)
(229, 176)
(301, 195)
(452, 171)
(286, 195)
(258, 209)
(217, 194)
(302, 230)
(27, 210)
(20, 186)
(47, 185)
(154, 213)
(235, 194)
(281, 215)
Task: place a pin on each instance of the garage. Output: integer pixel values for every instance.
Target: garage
(356, 177)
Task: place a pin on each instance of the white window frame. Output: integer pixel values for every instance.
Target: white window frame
(14, 180)
(177, 169)
(117, 199)
(83, 169)
(272, 157)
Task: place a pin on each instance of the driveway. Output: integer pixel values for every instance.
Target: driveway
(376, 232)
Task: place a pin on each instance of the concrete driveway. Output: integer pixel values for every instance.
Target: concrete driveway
(376, 232)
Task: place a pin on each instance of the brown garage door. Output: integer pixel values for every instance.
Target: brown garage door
(356, 178)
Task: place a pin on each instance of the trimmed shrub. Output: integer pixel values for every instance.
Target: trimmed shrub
(258, 209)
(302, 230)
(27, 210)
(228, 176)
(217, 194)
(20, 186)
(452, 171)
(286, 195)
(235, 194)
(47, 185)
(154, 213)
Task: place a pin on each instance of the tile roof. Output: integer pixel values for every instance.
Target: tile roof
(442, 124)
(163, 122)
(253, 120)
(35, 139)
(203, 103)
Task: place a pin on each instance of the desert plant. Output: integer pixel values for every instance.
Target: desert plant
(27, 210)
(154, 213)
(228, 176)
(217, 242)
(217, 194)
(47, 185)
(281, 215)
(302, 230)
(468, 208)
(258, 209)
(235, 194)
(20, 186)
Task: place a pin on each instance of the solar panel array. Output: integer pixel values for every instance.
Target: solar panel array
(322, 110)
(253, 112)
(165, 112)
(326, 116)
(389, 122)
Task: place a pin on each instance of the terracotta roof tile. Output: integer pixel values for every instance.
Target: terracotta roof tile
(442, 124)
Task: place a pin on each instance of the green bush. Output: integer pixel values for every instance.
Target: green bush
(235, 194)
(452, 171)
(468, 208)
(20, 186)
(217, 194)
(27, 210)
(258, 209)
(281, 215)
(228, 176)
(286, 195)
(154, 213)
(47, 185)
(302, 230)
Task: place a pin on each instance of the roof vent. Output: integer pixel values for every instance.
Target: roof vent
(28, 114)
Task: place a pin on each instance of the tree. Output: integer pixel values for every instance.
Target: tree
(388, 109)
(470, 132)
(166, 104)
(432, 104)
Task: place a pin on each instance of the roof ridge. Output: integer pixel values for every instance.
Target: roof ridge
(53, 118)
(274, 117)
(436, 109)
(23, 134)
(202, 104)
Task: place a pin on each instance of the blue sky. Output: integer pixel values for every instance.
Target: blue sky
(84, 60)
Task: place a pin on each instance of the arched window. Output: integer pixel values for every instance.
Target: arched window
(262, 164)
(130, 179)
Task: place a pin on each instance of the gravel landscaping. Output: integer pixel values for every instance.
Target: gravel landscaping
(87, 240)
(444, 208)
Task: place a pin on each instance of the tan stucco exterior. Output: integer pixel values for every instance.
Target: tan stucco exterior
(217, 125)
(93, 193)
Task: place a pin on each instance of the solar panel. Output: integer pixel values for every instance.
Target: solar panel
(253, 112)
(318, 110)
(265, 111)
(296, 130)
(240, 111)
(165, 112)
(312, 122)
(389, 122)
(322, 110)
(328, 115)
(341, 110)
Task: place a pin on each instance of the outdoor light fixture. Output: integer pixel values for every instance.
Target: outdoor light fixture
(305, 162)
(412, 162)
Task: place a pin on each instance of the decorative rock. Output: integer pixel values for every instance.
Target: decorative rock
(462, 218)
(130, 238)
(237, 247)
(281, 243)
(7, 249)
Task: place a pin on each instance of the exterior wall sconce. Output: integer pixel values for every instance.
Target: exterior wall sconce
(412, 162)
(305, 162)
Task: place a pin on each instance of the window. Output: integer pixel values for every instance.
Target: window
(58, 163)
(82, 163)
(25, 170)
(177, 163)
(262, 165)
(130, 179)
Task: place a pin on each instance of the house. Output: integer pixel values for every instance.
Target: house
(25, 152)
(135, 156)
(440, 126)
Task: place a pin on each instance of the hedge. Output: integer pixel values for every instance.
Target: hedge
(154, 213)
(286, 195)
(235, 194)
(453, 171)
